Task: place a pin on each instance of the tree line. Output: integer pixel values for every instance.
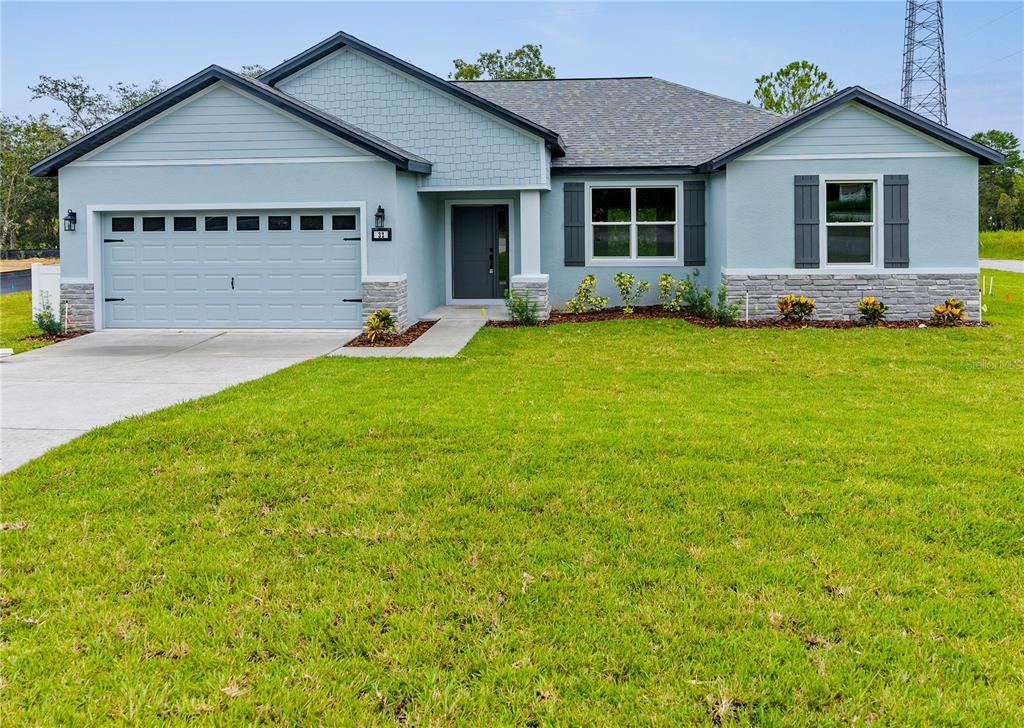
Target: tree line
(28, 205)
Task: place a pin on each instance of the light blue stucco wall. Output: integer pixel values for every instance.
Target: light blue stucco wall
(420, 247)
(465, 145)
(563, 280)
(717, 227)
(324, 182)
(224, 124)
(943, 197)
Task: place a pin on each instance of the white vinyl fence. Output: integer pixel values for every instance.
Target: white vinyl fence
(46, 288)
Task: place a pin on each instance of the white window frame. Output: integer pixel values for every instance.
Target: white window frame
(876, 209)
(633, 259)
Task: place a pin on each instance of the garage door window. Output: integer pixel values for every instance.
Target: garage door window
(184, 224)
(247, 222)
(122, 224)
(279, 222)
(153, 224)
(311, 222)
(216, 223)
(343, 222)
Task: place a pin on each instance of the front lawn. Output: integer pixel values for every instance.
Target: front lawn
(614, 523)
(16, 322)
(1001, 244)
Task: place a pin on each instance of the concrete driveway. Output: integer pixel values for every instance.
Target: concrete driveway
(54, 394)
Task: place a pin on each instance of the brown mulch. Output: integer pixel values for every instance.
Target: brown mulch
(401, 339)
(657, 312)
(54, 338)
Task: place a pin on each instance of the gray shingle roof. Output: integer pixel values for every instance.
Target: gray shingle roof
(642, 122)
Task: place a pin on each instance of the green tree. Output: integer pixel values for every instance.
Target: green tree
(523, 63)
(793, 88)
(996, 182)
(28, 205)
(252, 70)
(84, 108)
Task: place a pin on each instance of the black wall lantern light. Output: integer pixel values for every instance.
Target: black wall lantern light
(69, 221)
(378, 217)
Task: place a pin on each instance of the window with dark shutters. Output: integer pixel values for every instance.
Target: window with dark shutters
(574, 223)
(896, 218)
(694, 224)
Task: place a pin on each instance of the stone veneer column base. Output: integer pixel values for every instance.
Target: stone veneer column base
(390, 292)
(908, 295)
(535, 287)
(81, 301)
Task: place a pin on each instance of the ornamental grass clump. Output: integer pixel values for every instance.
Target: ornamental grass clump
(630, 289)
(872, 311)
(794, 308)
(951, 311)
(585, 300)
(379, 324)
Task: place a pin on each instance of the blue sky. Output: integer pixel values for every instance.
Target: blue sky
(719, 47)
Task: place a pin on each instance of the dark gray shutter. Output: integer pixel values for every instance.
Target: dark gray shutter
(896, 217)
(574, 223)
(693, 223)
(807, 242)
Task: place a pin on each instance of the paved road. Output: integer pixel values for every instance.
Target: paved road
(1014, 266)
(54, 394)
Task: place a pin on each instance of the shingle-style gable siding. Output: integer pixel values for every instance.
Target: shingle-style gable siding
(852, 129)
(223, 124)
(465, 145)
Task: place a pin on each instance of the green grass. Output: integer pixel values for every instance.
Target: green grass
(16, 322)
(1001, 244)
(618, 523)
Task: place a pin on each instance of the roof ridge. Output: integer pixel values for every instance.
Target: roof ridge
(568, 78)
(719, 96)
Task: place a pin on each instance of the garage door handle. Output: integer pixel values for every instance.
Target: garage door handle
(355, 238)
(232, 283)
(113, 240)
(351, 300)
(108, 300)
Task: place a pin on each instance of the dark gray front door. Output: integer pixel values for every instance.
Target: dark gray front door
(479, 251)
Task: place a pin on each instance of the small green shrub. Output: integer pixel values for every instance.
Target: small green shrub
(630, 289)
(951, 311)
(379, 324)
(872, 311)
(696, 298)
(795, 308)
(673, 291)
(724, 311)
(44, 319)
(521, 308)
(585, 300)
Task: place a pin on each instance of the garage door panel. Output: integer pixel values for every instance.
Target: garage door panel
(282, 279)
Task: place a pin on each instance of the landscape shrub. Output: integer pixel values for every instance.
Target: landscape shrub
(44, 319)
(630, 289)
(380, 323)
(724, 311)
(795, 308)
(696, 298)
(673, 291)
(585, 300)
(872, 311)
(521, 308)
(951, 311)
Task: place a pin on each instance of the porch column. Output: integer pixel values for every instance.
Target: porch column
(530, 281)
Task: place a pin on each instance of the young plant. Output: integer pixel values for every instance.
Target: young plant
(380, 323)
(631, 290)
(695, 297)
(725, 311)
(44, 319)
(951, 311)
(795, 308)
(673, 291)
(872, 311)
(521, 308)
(585, 300)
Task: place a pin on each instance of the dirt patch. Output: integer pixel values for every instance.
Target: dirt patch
(402, 339)
(54, 338)
(657, 312)
(7, 265)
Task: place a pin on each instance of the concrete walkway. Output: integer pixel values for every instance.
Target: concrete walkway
(51, 395)
(455, 326)
(1013, 266)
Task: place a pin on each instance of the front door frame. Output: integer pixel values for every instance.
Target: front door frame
(449, 299)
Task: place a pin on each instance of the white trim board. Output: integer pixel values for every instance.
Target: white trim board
(849, 155)
(94, 233)
(448, 205)
(831, 272)
(480, 188)
(217, 162)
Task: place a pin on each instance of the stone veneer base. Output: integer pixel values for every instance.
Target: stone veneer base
(534, 287)
(908, 295)
(389, 293)
(81, 301)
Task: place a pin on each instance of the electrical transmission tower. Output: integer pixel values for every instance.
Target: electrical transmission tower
(924, 60)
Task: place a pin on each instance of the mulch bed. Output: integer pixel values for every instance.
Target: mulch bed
(54, 338)
(657, 312)
(402, 339)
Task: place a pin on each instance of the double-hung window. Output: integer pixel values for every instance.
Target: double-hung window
(849, 222)
(633, 223)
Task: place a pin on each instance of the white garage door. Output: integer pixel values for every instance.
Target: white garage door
(232, 269)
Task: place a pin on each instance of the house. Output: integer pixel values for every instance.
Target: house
(346, 179)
